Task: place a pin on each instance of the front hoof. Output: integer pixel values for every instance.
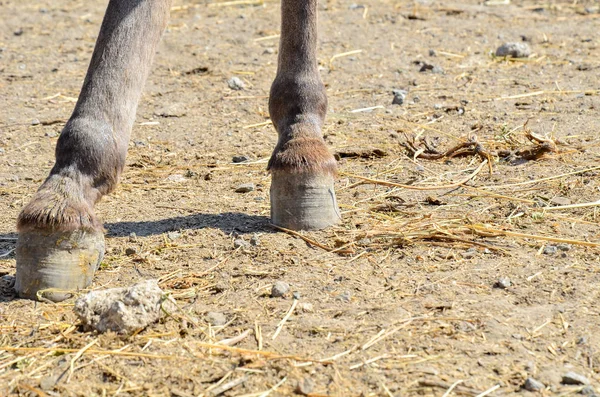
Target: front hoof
(52, 265)
(303, 201)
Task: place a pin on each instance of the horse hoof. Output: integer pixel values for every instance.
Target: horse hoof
(303, 201)
(53, 265)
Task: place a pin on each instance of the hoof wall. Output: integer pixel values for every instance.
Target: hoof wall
(303, 201)
(53, 265)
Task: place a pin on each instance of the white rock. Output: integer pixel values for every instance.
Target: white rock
(123, 310)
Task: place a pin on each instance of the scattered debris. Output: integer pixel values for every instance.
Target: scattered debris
(123, 310)
(7, 291)
(199, 70)
(360, 153)
(429, 152)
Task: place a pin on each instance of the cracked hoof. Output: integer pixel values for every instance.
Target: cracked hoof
(303, 201)
(53, 265)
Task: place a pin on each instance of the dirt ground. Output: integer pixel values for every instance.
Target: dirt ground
(467, 287)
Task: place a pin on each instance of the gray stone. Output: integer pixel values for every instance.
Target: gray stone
(503, 283)
(279, 289)
(550, 250)
(564, 247)
(123, 310)
(254, 240)
(173, 235)
(399, 97)
(245, 188)
(216, 319)
(533, 385)
(235, 83)
(296, 295)
(573, 378)
(175, 178)
(346, 296)
(588, 391)
(305, 386)
(172, 110)
(514, 50)
(239, 159)
(239, 243)
(48, 382)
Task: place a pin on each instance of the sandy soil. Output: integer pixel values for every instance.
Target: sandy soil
(416, 300)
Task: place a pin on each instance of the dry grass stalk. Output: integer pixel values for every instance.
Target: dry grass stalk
(423, 188)
(284, 319)
(486, 229)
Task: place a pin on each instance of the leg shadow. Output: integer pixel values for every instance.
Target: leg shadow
(228, 222)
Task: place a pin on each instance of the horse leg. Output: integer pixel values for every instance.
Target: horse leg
(61, 240)
(302, 168)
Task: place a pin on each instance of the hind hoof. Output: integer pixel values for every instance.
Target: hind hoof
(53, 265)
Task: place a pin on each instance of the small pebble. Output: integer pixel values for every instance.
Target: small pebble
(239, 159)
(399, 97)
(245, 188)
(132, 237)
(172, 110)
(306, 307)
(239, 243)
(130, 251)
(572, 378)
(235, 83)
(35, 122)
(216, 319)
(582, 340)
(514, 50)
(279, 289)
(175, 178)
(173, 235)
(254, 240)
(305, 386)
(48, 382)
(18, 32)
(564, 247)
(296, 295)
(533, 385)
(503, 283)
(344, 297)
(588, 391)
(550, 250)
(220, 287)
(51, 134)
